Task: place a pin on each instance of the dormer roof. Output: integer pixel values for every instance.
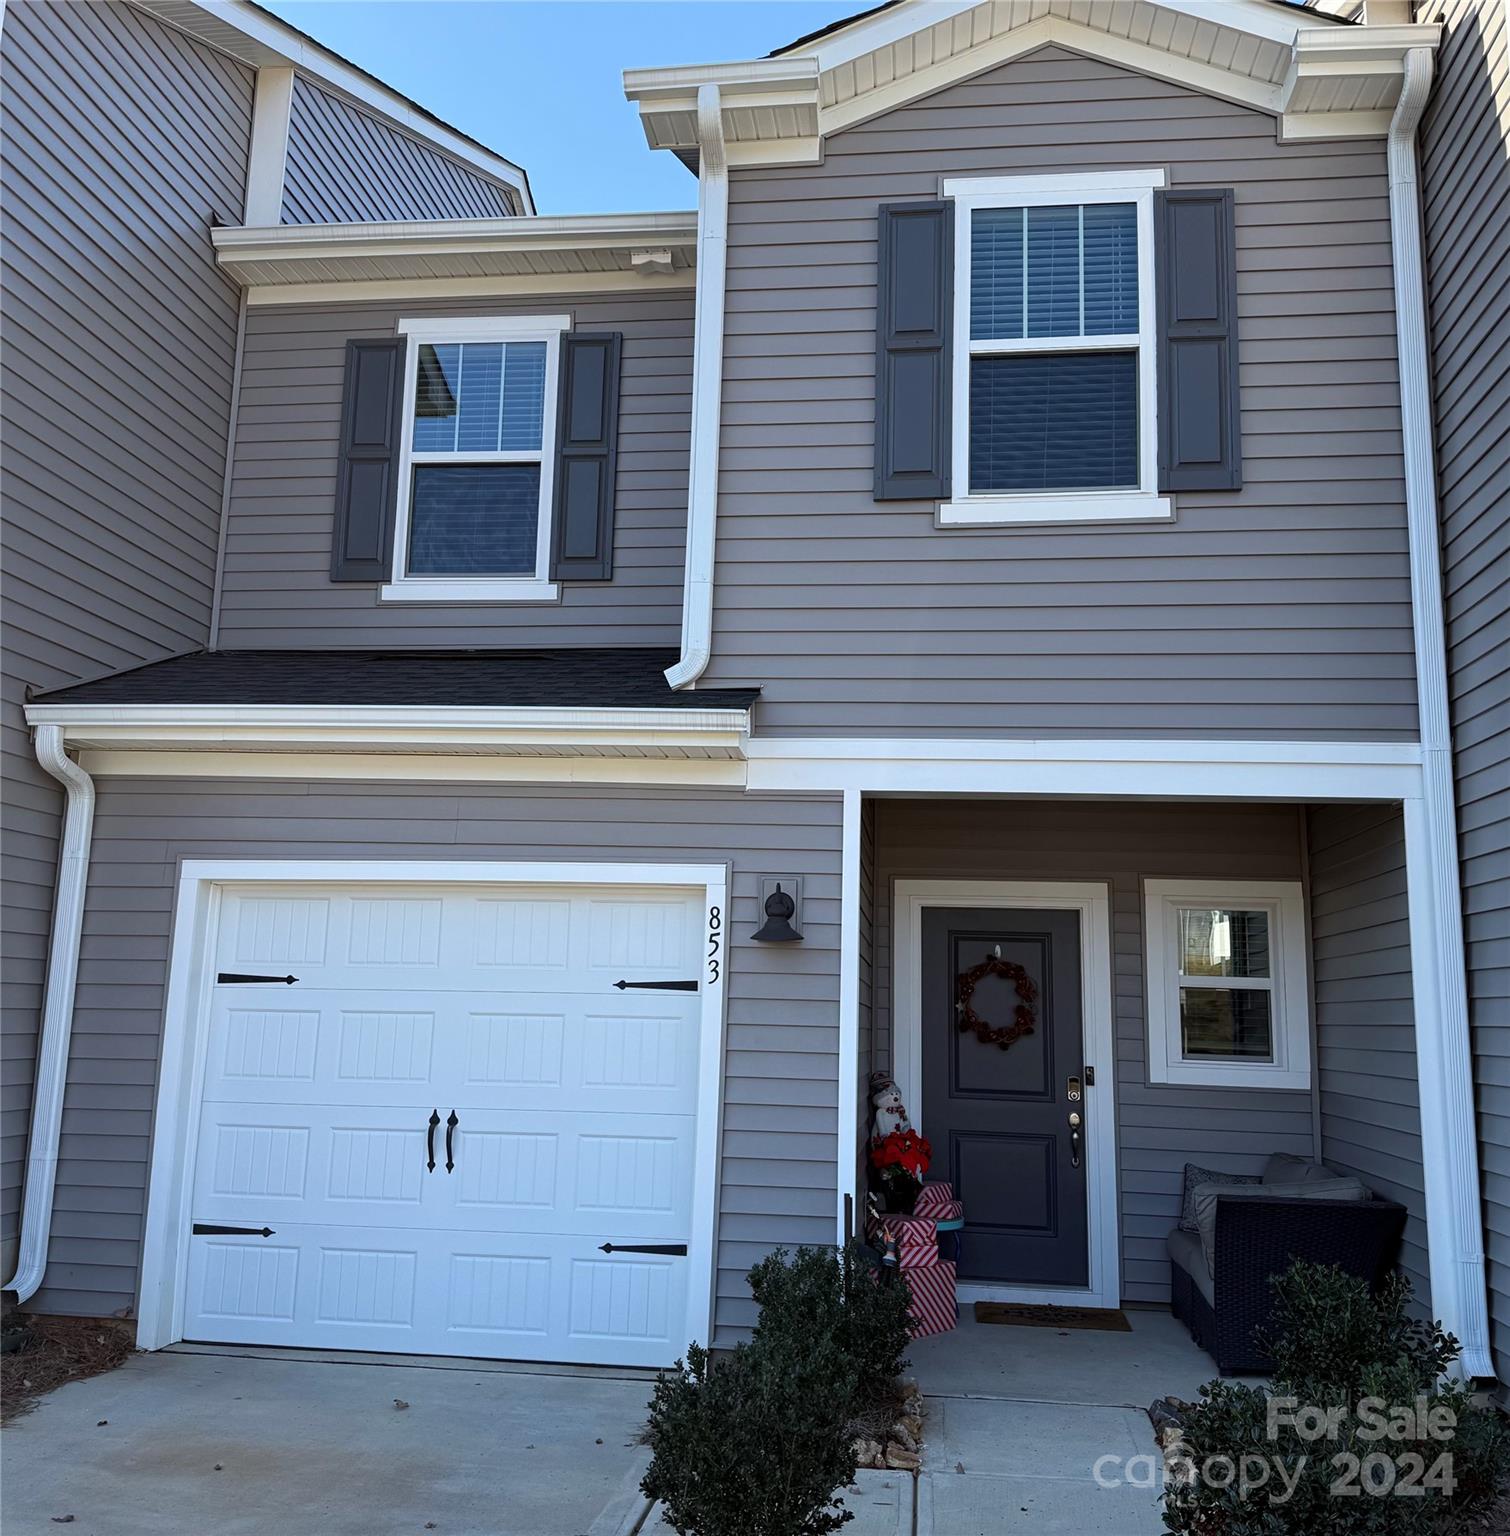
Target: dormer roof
(1318, 76)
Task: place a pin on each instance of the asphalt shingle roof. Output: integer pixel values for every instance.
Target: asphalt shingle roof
(568, 678)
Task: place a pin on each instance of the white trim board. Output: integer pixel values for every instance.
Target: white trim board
(1092, 901)
(161, 1302)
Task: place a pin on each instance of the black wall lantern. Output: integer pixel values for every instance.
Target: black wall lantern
(780, 909)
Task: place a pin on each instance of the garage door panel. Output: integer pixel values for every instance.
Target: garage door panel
(560, 1299)
(635, 1055)
(604, 1177)
(375, 1046)
(337, 1165)
(575, 1106)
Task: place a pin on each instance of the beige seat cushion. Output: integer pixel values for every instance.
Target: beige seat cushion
(1185, 1251)
(1206, 1197)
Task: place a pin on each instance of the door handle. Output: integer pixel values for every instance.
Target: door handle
(430, 1140)
(1074, 1140)
(451, 1123)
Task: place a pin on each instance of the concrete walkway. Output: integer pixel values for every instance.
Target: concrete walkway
(1020, 1420)
(295, 1444)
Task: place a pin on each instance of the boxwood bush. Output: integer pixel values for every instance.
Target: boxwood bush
(758, 1442)
(1373, 1441)
(820, 1296)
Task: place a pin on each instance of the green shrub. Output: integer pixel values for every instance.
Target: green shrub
(753, 1444)
(758, 1443)
(1357, 1410)
(820, 1297)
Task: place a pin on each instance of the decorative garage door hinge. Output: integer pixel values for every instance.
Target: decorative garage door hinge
(209, 1229)
(659, 986)
(671, 1248)
(241, 976)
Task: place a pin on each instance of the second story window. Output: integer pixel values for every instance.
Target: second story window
(1054, 357)
(475, 478)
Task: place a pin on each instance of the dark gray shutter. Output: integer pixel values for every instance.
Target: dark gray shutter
(1195, 257)
(366, 492)
(914, 315)
(586, 453)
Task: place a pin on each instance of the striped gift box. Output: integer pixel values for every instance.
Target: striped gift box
(934, 1309)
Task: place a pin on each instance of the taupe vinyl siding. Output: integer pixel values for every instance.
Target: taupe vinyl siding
(1159, 1128)
(1282, 610)
(277, 589)
(1365, 1017)
(781, 1063)
(345, 165)
(1465, 162)
(123, 141)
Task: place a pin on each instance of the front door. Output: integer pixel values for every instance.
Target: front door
(1003, 1073)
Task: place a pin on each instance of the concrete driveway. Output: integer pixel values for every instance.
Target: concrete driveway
(293, 1444)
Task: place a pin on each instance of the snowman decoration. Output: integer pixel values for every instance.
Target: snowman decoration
(890, 1113)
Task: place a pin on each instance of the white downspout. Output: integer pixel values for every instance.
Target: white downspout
(57, 1010)
(707, 390)
(1443, 1046)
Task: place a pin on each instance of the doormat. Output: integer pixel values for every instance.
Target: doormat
(1098, 1319)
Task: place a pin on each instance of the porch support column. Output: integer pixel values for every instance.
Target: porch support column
(849, 1019)
(1444, 1066)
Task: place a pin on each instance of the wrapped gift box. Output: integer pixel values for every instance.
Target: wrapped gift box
(937, 1200)
(934, 1309)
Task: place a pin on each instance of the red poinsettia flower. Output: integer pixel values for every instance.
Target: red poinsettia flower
(902, 1149)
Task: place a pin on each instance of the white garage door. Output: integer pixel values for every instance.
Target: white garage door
(480, 1027)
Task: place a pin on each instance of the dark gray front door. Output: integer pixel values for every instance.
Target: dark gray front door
(999, 1120)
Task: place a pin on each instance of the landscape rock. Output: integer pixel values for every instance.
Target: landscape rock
(903, 1437)
(901, 1460)
(868, 1453)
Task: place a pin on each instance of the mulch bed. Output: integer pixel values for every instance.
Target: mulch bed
(55, 1350)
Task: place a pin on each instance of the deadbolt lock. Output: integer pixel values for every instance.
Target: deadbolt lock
(1072, 1090)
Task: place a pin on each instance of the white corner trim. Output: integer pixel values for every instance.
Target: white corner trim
(1443, 1045)
(1289, 984)
(849, 1018)
(1092, 901)
(268, 157)
(1068, 507)
(707, 391)
(161, 1303)
(57, 1010)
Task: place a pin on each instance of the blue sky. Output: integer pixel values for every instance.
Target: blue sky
(539, 80)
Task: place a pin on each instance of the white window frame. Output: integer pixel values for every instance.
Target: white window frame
(1068, 506)
(536, 587)
(1287, 984)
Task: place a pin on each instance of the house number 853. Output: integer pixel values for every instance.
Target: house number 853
(715, 944)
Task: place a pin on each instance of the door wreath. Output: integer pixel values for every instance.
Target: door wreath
(1023, 1018)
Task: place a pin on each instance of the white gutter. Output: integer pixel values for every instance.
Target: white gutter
(57, 1011)
(1443, 1045)
(707, 390)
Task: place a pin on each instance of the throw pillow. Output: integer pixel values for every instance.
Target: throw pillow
(1286, 1168)
(1196, 1176)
